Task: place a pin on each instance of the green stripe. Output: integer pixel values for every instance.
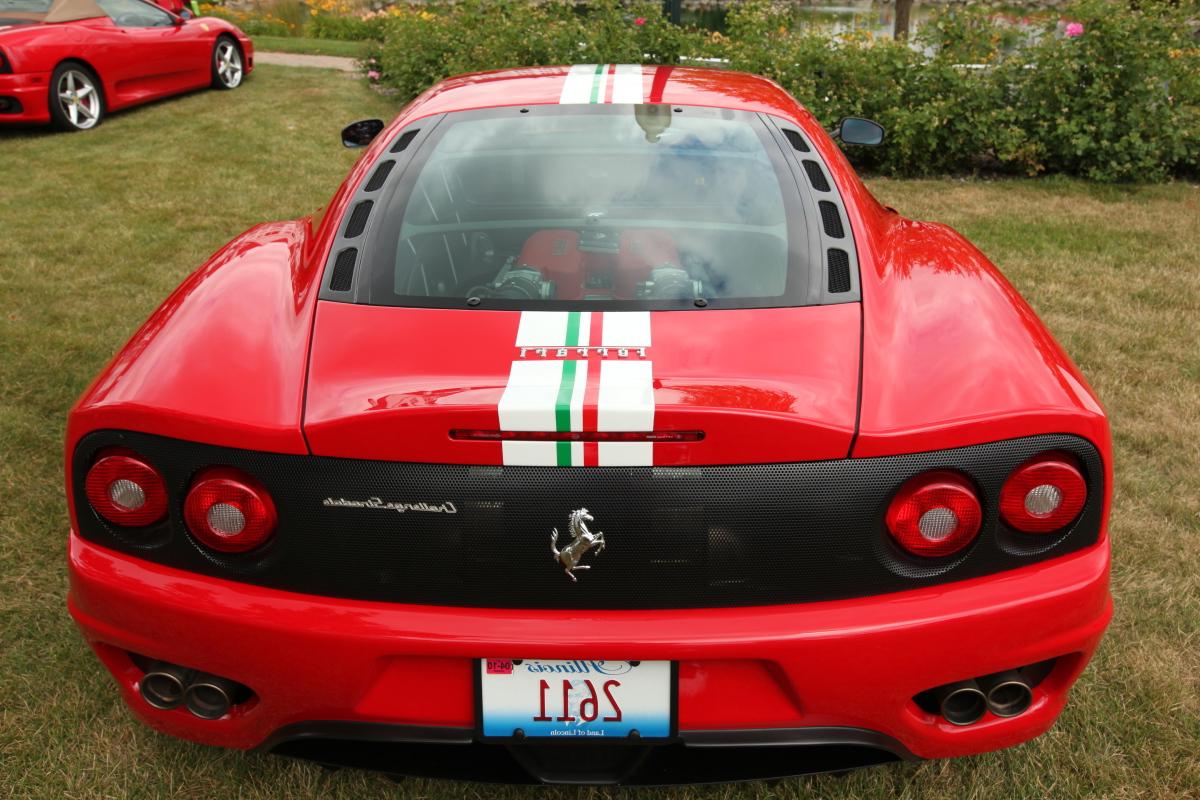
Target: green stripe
(596, 81)
(562, 411)
(572, 328)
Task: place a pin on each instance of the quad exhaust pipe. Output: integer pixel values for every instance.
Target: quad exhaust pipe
(961, 702)
(1005, 694)
(166, 686)
(1008, 694)
(210, 696)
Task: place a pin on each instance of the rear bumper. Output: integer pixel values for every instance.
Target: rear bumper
(852, 664)
(24, 98)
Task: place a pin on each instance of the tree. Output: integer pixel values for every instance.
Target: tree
(900, 30)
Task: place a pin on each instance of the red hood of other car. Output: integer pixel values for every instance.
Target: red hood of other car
(762, 385)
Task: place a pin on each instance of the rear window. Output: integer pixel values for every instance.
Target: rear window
(23, 12)
(617, 206)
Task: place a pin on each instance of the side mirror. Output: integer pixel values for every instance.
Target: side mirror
(178, 20)
(855, 130)
(361, 133)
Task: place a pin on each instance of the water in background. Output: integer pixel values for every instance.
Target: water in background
(841, 16)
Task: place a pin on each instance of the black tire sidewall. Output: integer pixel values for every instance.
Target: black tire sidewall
(57, 118)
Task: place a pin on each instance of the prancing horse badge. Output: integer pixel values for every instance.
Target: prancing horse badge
(582, 540)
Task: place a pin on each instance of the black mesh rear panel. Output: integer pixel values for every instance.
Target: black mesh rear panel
(676, 537)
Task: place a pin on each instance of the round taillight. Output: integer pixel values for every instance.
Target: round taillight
(934, 514)
(1044, 494)
(229, 511)
(125, 490)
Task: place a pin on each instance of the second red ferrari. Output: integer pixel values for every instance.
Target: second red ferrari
(70, 62)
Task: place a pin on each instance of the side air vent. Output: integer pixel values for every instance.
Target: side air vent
(343, 270)
(381, 174)
(816, 176)
(404, 141)
(796, 139)
(839, 271)
(358, 220)
(832, 220)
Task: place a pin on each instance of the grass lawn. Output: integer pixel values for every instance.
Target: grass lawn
(310, 47)
(98, 227)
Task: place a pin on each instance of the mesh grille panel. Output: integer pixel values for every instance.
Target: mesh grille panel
(816, 176)
(380, 175)
(831, 220)
(796, 139)
(343, 271)
(839, 270)
(675, 538)
(358, 219)
(404, 141)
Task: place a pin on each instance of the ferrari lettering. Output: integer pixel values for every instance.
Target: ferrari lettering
(569, 360)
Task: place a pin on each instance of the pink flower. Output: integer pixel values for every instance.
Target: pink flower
(640, 21)
(1074, 29)
(373, 75)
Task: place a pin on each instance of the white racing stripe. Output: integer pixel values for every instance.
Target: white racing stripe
(589, 83)
(627, 84)
(546, 391)
(578, 86)
(626, 404)
(626, 329)
(528, 404)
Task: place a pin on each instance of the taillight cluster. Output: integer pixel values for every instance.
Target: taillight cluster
(225, 509)
(125, 490)
(935, 514)
(229, 511)
(938, 513)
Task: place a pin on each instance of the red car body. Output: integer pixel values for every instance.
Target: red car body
(134, 64)
(938, 359)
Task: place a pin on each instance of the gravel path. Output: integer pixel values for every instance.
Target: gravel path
(297, 60)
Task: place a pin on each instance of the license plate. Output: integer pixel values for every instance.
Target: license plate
(522, 698)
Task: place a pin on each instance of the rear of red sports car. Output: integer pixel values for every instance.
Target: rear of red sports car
(603, 429)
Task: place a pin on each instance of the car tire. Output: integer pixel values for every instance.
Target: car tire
(76, 98)
(228, 64)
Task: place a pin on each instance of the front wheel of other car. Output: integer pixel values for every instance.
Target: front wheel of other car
(76, 97)
(227, 70)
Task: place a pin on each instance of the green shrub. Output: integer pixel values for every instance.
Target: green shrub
(1120, 101)
(1116, 97)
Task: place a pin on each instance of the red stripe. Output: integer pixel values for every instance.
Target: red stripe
(591, 393)
(659, 84)
(608, 90)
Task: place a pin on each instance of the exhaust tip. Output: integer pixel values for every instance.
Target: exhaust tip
(163, 685)
(962, 703)
(1009, 696)
(209, 697)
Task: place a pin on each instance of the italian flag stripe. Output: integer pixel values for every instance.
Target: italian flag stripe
(547, 392)
(603, 83)
(562, 411)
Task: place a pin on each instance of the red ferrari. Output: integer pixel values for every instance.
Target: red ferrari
(71, 62)
(603, 428)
